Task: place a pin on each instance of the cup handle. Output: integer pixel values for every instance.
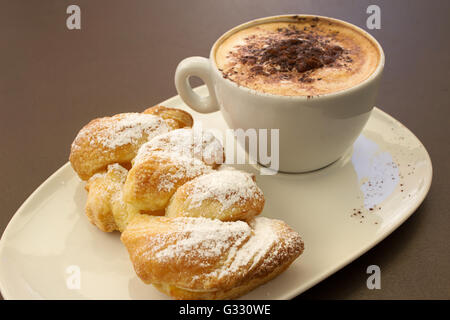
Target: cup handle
(199, 67)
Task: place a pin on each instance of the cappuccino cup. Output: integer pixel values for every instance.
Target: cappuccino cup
(313, 78)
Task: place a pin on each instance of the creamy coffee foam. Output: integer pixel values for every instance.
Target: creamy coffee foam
(302, 57)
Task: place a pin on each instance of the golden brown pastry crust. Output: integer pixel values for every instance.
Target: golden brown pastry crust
(236, 292)
(105, 197)
(117, 139)
(175, 118)
(105, 207)
(227, 195)
(111, 140)
(208, 258)
(167, 162)
(151, 183)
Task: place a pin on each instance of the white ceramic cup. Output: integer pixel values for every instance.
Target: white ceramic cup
(314, 132)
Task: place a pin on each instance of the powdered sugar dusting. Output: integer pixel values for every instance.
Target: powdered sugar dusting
(116, 175)
(186, 168)
(123, 129)
(265, 250)
(258, 246)
(204, 238)
(229, 187)
(185, 142)
(229, 250)
(96, 176)
(119, 170)
(184, 150)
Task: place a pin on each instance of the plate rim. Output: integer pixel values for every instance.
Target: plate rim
(388, 232)
(293, 293)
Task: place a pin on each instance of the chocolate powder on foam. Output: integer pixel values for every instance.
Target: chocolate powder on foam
(289, 49)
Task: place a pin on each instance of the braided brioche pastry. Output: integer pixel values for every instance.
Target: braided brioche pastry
(201, 258)
(117, 139)
(210, 244)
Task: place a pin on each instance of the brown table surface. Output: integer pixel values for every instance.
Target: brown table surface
(52, 81)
